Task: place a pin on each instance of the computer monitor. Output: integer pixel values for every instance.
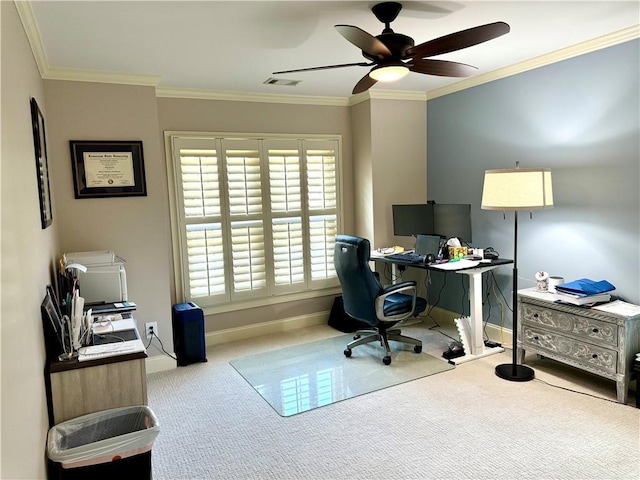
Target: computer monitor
(452, 220)
(411, 220)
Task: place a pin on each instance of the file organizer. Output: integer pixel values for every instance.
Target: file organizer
(188, 333)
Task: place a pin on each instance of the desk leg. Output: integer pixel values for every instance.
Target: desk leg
(477, 348)
(475, 308)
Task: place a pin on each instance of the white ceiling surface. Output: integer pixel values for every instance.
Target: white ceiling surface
(235, 46)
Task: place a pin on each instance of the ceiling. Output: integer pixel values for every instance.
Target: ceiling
(235, 46)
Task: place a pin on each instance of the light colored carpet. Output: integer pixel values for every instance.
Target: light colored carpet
(464, 424)
(315, 374)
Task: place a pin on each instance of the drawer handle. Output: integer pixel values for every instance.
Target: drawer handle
(535, 315)
(595, 330)
(594, 356)
(536, 337)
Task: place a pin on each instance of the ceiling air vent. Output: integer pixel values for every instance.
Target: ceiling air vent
(280, 81)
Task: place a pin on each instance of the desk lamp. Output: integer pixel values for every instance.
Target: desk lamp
(516, 189)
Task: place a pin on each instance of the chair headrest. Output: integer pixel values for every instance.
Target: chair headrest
(362, 245)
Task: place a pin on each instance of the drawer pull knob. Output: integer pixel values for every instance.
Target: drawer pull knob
(594, 356)
(535, 315)
(595, 330)
(536, 338)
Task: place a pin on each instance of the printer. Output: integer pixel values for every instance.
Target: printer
(101, 276)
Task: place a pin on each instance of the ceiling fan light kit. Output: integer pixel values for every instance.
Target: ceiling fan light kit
(388, 73)
(393, 55)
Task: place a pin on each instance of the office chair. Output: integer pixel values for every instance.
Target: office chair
(365, 299)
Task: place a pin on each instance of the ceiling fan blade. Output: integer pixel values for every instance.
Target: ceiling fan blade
(459, 40)
(364, 41)
(364, 84)
(442, 68)
(326, 67)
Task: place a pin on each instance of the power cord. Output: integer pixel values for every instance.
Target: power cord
(153, 335)
(576, 391)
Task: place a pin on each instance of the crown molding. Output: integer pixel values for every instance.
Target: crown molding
(25, 12)
(80, 75)
(33, 35)
(30, 26)
(202, 94)
(387, 95)
(589, 46)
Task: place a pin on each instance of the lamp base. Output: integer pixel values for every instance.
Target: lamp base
(515, 373)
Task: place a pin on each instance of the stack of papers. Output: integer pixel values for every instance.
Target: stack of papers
(584, 292)
(111, 328)
(456, 265)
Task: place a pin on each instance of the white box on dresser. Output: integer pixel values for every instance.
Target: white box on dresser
(599, 342)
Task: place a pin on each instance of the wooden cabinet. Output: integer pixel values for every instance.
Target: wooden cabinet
(79, 388)
(599, 342)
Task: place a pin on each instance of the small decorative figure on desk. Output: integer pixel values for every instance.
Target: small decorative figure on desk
(542, 281)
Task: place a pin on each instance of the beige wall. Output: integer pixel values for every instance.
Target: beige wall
(389, 154)
(28, 256)
(363, 170)
(136, 228)
(399, 149)
(176, 114)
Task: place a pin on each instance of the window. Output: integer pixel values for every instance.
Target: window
(254, 217)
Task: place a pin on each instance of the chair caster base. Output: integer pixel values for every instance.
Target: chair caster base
(347, 352)
(417, 348)
(387, 360)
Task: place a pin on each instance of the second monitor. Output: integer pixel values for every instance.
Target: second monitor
(452, 220)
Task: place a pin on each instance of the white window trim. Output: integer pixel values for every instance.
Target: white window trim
(179, 280)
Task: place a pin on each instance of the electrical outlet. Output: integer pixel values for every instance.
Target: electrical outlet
(151, 327)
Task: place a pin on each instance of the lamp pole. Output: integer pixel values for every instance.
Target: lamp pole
(515, 372)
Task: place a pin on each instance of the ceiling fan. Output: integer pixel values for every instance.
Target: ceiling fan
(392, 55)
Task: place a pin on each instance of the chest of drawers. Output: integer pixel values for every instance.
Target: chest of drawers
(599, 342)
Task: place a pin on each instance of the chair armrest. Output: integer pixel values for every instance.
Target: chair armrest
(408, 288)
(399, 287)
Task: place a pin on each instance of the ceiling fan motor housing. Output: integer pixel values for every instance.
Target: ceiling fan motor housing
(397, 44)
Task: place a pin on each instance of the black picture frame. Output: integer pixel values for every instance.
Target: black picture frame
(42, 164)
(53, 326)
(51, 309)
(108, 168)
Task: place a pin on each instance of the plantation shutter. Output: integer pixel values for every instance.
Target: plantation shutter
(322, 193)
(285, 191)
(245, 197)
(257, 216)
(203, 252)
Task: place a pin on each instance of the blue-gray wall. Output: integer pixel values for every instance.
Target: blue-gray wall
(579, 117)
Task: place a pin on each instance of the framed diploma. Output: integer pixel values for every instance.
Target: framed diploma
(104, 168)
(42, 164)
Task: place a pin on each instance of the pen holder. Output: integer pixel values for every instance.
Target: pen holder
(553, 281)
(66, 333)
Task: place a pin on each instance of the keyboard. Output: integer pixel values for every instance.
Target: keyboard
(405, 258)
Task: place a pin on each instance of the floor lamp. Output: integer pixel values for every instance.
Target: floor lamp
(516, 189)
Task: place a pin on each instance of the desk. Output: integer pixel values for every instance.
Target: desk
(470, 328)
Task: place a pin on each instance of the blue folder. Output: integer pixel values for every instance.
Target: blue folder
(584, 287)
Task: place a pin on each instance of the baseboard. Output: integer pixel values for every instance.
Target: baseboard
(443, 317)
(161, 363)
(496, 333)
(265, 328)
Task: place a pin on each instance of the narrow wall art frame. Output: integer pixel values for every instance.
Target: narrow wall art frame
(42, 164)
